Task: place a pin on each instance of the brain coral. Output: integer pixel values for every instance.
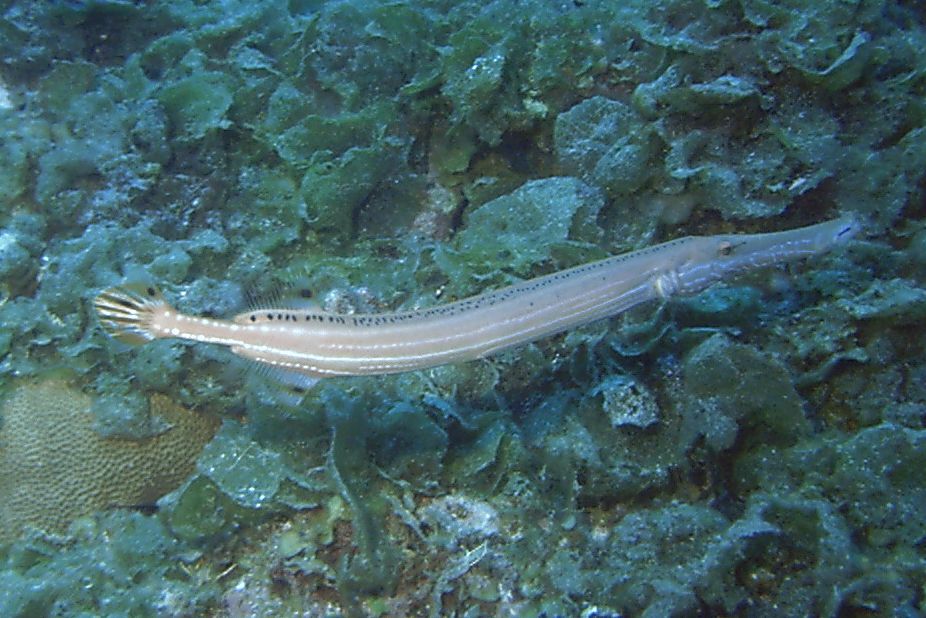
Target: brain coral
(55, 468)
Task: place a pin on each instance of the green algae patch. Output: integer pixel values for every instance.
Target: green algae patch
(197, 104)
(474, 79)
(14, 160)
(606, 143)
(413, 446)
(472, 460)
(372, 567)
(720, 305)
(197, 511)
(271, 208)
(677, 535)
(336, 188)
(897, 299)
(517, 231)
(730, 384)
(127, 564)
(815, 40)
(872, 476)
(247, 473)
(300, 136)
(122, 413)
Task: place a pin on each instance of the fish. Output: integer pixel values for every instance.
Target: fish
(312, 344)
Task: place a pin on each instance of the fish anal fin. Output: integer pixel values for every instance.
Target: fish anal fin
(285, 376)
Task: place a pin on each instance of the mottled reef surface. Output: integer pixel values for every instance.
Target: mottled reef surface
(756, 450)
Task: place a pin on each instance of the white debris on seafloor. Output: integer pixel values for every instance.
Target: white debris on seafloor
(5, 102)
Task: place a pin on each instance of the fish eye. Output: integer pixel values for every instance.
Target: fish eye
(725, 248)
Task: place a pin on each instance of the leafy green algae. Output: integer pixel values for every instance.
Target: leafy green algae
(125, 564)
(747, 451)
(523, 228)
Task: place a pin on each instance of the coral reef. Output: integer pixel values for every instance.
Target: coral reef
(754, 450)
(55, 468)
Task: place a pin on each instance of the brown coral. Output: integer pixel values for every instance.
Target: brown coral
(55, 468)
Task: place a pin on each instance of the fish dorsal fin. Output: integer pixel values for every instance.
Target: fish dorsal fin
(277, 315)
(283, 303)
(296, 294)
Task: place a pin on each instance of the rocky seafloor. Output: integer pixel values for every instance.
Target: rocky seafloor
(755, 450)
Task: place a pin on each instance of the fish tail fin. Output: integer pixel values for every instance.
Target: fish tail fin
(126, 312)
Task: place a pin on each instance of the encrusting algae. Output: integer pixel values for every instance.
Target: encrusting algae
(55, 468)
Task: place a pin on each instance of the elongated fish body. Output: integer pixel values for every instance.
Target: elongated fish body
(318, 344)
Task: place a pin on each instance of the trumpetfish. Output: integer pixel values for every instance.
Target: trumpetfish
(314, 344)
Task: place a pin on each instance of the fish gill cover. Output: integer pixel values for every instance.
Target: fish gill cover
(755, 450)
